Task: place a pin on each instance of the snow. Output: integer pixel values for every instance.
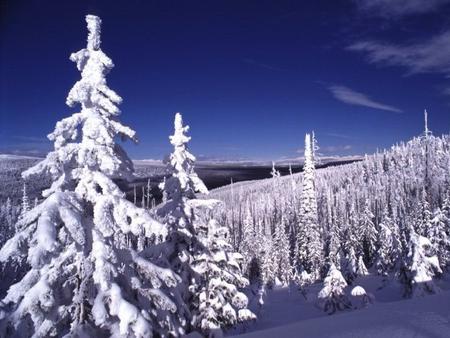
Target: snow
(287, 314)
(7, 157)
(358, 291)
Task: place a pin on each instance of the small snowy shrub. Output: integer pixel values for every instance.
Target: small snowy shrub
(332, 296)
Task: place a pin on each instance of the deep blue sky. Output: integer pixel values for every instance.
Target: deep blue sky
(250, 77)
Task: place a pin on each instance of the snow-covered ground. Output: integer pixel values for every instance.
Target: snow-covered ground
(286, 313)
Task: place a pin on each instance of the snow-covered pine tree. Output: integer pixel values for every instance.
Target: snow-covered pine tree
(361, 269)
(268, 257)
(385, 239)
(368, 233)
(282, 253)
(334, 245)
(350, 265)
(217, 302)
(247, 243)
(85, 274)
(8, 216)
(332, 296)
(196, 247)
(439, 236)
(309, 242)
(275, 173)
(421, 266)
(25, 201)
(423, 225)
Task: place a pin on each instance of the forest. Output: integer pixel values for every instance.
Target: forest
(85, 259)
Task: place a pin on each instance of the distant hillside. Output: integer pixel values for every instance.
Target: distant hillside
(394, 183)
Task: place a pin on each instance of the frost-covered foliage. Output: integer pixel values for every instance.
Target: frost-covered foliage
(218, 303)
(11, 182)
(25, 201)
(360, 298)
(275, 173)
(389, 245)
(8, 218)
(439, 232)
(422, 265)
(284, 270)
(309, 237)
(81, 244)
(350, 265)
(184, 181)
(361, 269)
(178, 212)
(263, 262)
(332, 296)
(199, 249)
(367, 233)
(365, 206)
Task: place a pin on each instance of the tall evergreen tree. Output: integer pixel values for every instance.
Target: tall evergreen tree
(423, 226)
(368, 233)
(309, 241)
(196, 247)
(25, 201)
(439, 237)
(85, 274)
(281, 253)
(421, 266)
(217, 302)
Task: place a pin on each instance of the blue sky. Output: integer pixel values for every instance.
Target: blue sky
(250, 77)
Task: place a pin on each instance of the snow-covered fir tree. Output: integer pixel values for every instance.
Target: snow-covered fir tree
(334, 245)
(267, 255)
(350, 265)
(423, 222)
(368, 233)
(384, 261)
(85, 275)
(332, 296)
(421, 266)
(25, 201)
(218, 303)
(439, 235)
(275, 173)
(309, 240)
(281, 252)
(389, 244)
(196, 247)
(361, 269)
(8, 218)
(247, 241)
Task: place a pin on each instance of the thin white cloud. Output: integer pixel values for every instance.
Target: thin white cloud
(338, 135)
(330, 149)
(398, 8)
(431, 56)
(352, 97)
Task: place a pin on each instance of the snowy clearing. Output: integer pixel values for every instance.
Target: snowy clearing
(419, 317)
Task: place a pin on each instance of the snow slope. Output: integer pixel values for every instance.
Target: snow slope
(420, 317)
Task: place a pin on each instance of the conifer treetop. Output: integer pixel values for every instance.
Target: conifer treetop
(94, 27)
(85, 142)
(181, 162)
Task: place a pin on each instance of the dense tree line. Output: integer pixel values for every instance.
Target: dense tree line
(389, 213)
